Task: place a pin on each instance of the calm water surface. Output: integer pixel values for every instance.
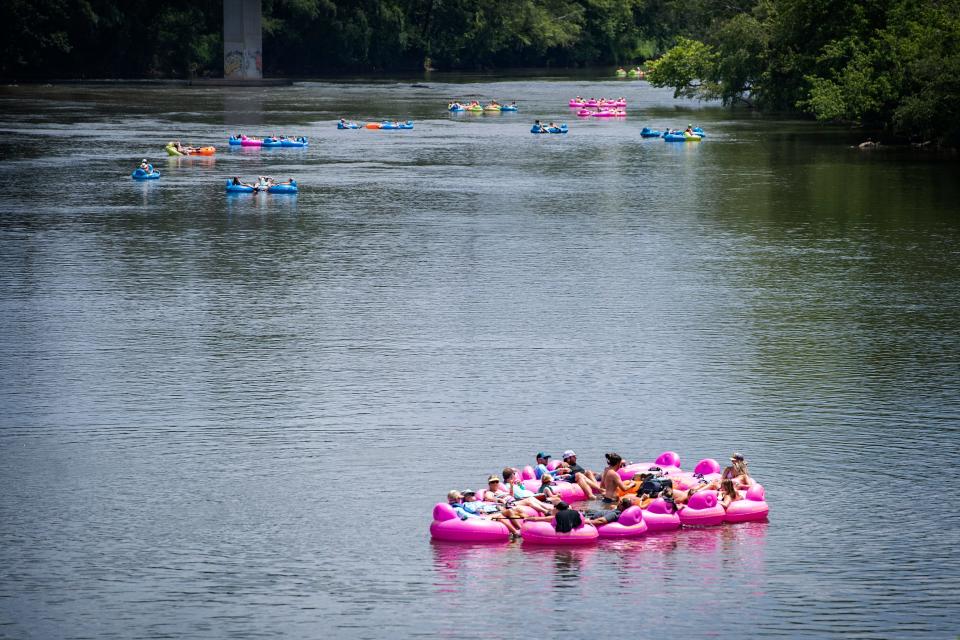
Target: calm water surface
(231, 417)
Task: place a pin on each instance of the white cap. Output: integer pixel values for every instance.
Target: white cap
(569, 453)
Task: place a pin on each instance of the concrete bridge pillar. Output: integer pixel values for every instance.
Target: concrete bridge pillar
(242, 40)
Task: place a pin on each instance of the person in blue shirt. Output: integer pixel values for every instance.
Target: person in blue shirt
(462, 503)
(510, 517)
(543, 459)
(455, 500)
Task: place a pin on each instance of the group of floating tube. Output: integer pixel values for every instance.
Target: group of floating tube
(476, 107)
(602, 113)
(175, 150)
(269, 141)
(599, 108)
(386, 125)
(703, 509)
(539, 128)
(695, 134)
(601, 103)
(282, 188)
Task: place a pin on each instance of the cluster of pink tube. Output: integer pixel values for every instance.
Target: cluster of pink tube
(702, 510)
(603, 104)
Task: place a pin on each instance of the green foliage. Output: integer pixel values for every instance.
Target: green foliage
(690, 68)
(891, 64)
(883, 63)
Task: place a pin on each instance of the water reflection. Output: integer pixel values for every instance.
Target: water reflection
(261, 202)
(190, 162)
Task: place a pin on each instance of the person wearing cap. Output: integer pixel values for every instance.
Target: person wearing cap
(510, 517)
(496, 492)
(548, 491)
(543, 459)
(737, 471)
(583, 477)
(455, 500)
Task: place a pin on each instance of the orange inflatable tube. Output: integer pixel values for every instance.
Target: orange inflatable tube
(204, 151)
(372, 125)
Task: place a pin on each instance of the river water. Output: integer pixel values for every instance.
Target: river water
(231, 417)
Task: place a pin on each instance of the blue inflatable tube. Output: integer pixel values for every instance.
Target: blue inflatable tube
(298, 142)
(140, 174)
(349, 125)
(239, 188)
(561, 129)
(400, 125)
(272, 142)
(509, 108)
(283, 188)
(647, 132)
(234, 141)
(456, 109)
(679, 137)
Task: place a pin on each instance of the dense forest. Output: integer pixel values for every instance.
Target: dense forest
(892, 65)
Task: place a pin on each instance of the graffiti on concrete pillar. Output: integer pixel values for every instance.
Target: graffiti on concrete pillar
(238, 63)
(242, 57)
(232, 63)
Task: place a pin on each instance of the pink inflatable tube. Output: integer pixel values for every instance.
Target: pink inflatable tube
(707, 466)
(447, 526)
(630, 525)
(708, 469)
(577, 103)
(584, 113)
(568, 491)
(591, 103)
(544, 533)
(668, 461)
(660, 516)
(522, 508)
(702, 510)
(604, 114)
(751, 509)
(250, 142)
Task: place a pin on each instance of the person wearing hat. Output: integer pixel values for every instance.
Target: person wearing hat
(496, 492)
(146, 166)
(548, 491)
(737, 471)
(511, 518)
